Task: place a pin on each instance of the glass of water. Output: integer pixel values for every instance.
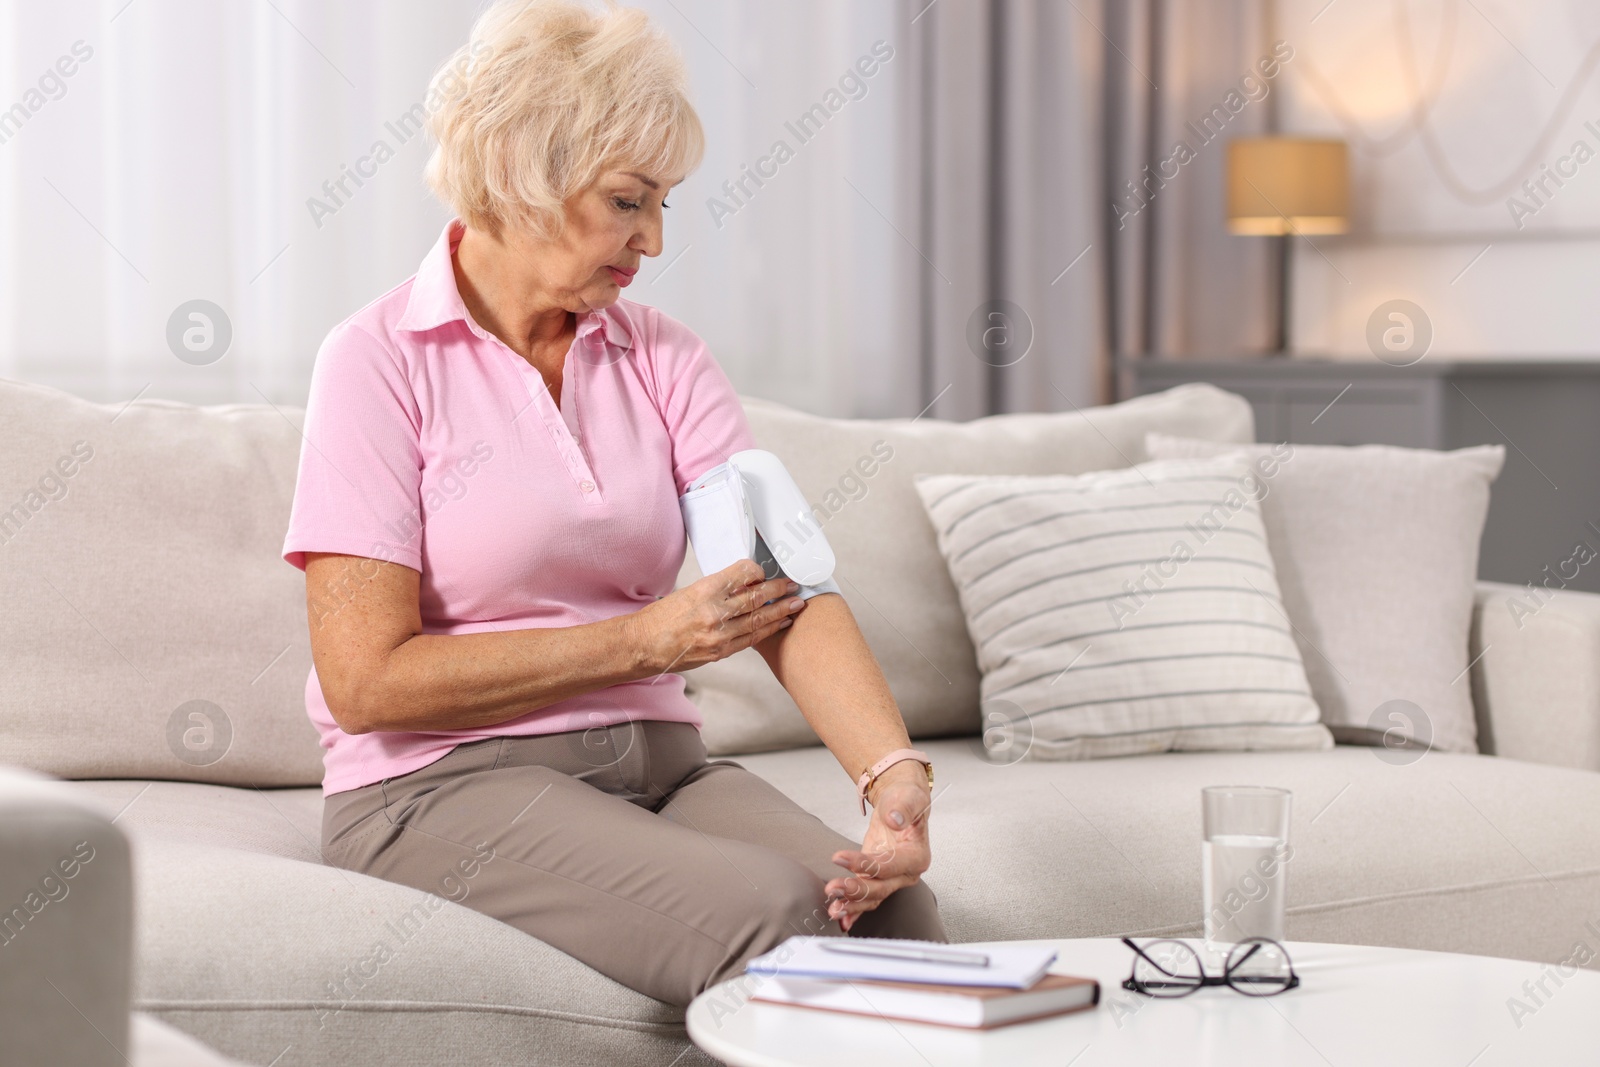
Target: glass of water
(1243, 855)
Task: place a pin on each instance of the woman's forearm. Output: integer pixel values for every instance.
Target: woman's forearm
(825, 664)
(461, 681)
(379, 671)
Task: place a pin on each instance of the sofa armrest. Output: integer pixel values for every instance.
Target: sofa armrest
(66, 926)
(1536, 674)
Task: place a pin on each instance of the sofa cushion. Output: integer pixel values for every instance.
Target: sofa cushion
(1124, 612)
(248, 942)
(1459, 853)
(1377, 553)
(857, 473)
(151, 629)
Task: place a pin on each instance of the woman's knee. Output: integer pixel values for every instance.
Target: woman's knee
(788, 901)
(791, 903)
(912, 912)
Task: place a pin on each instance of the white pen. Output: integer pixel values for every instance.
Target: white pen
(898, 952)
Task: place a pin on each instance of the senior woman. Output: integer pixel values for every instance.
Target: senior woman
(487, 517)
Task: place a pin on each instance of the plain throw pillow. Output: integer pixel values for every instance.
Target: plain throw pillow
(1124, 612)
(151, 629)
(1377, 555)
(856, 473)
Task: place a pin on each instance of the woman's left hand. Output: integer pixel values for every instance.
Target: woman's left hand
(894, 852)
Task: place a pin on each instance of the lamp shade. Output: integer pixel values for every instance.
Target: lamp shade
(1279, 185)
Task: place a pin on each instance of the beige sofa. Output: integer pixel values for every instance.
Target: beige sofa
(156, 653)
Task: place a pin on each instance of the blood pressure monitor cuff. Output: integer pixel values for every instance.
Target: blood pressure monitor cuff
(751, 508)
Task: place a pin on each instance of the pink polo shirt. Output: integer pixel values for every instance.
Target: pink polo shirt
(430, 443)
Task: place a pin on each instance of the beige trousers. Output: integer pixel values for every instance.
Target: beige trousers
(623, 847)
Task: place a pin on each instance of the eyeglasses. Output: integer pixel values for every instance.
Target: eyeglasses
(1256, 967)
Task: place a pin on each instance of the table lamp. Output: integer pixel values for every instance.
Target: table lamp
(1285, 186)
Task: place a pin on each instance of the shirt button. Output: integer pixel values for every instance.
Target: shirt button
(586, 485)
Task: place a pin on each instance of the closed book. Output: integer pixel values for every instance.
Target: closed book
(968, 1007)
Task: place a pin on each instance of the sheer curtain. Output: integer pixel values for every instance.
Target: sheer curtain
(879, 172)
(176, 165)
(785, 250)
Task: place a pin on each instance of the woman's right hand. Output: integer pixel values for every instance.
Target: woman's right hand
(715, 617)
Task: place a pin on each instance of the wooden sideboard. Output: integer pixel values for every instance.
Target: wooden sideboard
(1546, 501)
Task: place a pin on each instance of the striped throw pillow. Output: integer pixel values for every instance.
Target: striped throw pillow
(1124, 612)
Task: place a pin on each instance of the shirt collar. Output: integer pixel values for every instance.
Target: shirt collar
(435, 300)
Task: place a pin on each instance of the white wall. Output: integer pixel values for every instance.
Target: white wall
(1449, 107)
(1518, 299)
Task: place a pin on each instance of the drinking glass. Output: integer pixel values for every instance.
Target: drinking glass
(1243, 858)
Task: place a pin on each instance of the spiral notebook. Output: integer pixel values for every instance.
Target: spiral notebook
(1013, 966)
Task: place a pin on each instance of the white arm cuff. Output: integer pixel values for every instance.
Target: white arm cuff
(829, 586)
(727, 508)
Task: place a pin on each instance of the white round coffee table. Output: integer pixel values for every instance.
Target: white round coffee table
(1355, 1005)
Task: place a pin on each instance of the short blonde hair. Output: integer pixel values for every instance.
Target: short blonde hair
(545, 97)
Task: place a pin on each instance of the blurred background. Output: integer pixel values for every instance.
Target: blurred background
(1029, 205)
